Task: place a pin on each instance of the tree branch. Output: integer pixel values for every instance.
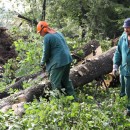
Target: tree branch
(44, 10)
(27, 19)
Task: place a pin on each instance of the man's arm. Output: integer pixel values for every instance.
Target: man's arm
(117, 59)
(46, 51)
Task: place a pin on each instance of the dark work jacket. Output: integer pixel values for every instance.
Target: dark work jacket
(56, 52)
(122, 55)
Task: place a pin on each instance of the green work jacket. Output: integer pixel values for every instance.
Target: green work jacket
(56, 52)
(122, 55)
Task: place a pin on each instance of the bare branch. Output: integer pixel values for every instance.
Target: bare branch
(44, 10)
(32, 21)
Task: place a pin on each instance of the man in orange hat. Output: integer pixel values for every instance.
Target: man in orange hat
(57, 57)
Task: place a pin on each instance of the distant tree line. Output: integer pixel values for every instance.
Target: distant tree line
(100, 17)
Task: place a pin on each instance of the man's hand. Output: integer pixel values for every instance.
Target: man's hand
(115, 73)
(115, 70)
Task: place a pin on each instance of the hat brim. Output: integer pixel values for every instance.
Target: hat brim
(126, 25)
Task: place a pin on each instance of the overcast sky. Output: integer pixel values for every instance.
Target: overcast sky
(7, 5)
(13, 5)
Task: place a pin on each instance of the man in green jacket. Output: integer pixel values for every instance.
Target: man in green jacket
(57, 57)
(122, 59)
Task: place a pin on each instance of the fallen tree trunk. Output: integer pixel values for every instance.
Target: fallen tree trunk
(92, 69)
(90, 49)
(18, 84)
(80, 75)
(26, 95)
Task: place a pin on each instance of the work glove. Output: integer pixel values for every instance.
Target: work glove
(115, 73)
(115, 70)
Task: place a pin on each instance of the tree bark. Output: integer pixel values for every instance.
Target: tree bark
(80, 75)
(82, 16)
(18, 84)
(43, 10)
(27, 95)
(90, 49)
(92, 69)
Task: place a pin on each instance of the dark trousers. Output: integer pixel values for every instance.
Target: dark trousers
(59, 78)
(125, 88)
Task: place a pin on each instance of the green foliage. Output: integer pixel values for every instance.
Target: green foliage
(28, 59)
(105, 44)
(106, 111)
(101, 17)
(29, 52)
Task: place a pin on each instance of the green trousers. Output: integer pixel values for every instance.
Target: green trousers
(122, 81)
(59, 78)
(125, 88)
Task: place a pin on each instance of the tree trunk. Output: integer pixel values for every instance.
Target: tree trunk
(31, 21)
(43, 10)
(19, 83)
(26, 95)
(92, 69)
(80, 75)
(90, 49)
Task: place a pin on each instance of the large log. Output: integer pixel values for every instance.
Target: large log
(90, 49)
(92, 68)
(26, 95)
(19, 83)
(80, 75)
